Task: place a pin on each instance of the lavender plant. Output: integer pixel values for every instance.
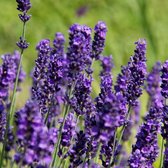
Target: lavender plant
(62, 124)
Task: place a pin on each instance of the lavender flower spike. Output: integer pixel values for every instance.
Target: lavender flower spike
(132, 78)
(24, 6)
(145, 151)
(34, 139)
(164, 93)
(78, 55)
(164, 77)
(99, 39)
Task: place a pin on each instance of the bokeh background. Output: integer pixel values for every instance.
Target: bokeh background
(127, 21)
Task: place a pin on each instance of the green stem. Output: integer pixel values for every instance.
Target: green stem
(11, 111)
(97, 153)
(77, 118)
(48, 111)
(67, 107)
(9, 114)
(60, 135)
(113, 151)
(161, 157)
(121, 134)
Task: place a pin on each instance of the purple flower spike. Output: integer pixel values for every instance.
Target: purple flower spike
(154, 81)
(99, 39)
(79, 101)
(2, 121)
(77, 150)
(132, 76)
(164, 77)
(145, 151)
(23, 6)
(68, 130)
(78, 55)
(146, 145)
(35, 140)
(58, 44)
(111, 108)
(40, 70)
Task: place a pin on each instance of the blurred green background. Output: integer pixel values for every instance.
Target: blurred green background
(127, 21)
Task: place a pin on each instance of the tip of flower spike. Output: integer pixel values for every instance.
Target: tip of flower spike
(59, 40)
(101, 27)
(23, 5)
(59, 36)
(164, 78)
(44, 46)
(75, 28)
(141, 44)
(107, 63)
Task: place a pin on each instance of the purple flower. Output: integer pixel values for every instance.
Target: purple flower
(49, 76)
(78, 55)
(106, 76)
(22, 44)
(2, 120)
(106, 152)
(132, 77)
(41, 88)
(23, 6)
(77, 150)
(145, 151)
(99, 39)
(81, 94)
(68, 131)
(164, 77)
(34, 139)
(58, 44)
(111, 108)
(8, 72)
(154, 81)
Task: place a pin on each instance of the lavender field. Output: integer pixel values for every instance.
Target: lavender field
(83, 84)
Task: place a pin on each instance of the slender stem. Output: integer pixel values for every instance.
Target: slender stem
(9, 114)
(124, 126)
(67, 107)
(48, 111)
(97, 153)
(121, 134)
(60, 135)
(161, 157)
(113, 151)
(11, 111)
